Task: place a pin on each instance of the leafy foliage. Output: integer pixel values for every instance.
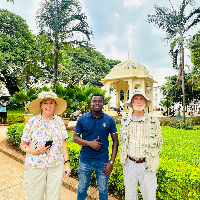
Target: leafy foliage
(15, 133)
(14, 118)
(16, 47)
(194, 46)
(88, 66)
(25, 96)
(179, 124)
(68, 94)
(63, 21)
(173, 93)
(84, 94)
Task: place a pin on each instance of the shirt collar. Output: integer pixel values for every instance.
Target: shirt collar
(40, 117)
(90, 115)
(142, 118)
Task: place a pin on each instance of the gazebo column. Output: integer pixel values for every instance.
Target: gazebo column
(117, 98)
(107, 88)
(130, 82)
(125, 99)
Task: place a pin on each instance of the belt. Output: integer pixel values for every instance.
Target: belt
(140, 160)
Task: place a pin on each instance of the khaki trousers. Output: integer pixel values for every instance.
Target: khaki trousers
(134, 174)
(43, 183)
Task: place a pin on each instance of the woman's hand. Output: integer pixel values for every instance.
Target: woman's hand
(66, 171)
(41, 149)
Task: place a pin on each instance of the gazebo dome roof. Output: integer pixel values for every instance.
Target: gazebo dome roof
(128, 69)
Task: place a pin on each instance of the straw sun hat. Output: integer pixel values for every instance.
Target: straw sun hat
(141, 92)
(61, 104)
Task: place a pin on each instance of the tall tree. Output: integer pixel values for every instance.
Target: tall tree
(65, 24)
(17, 45)
(194, 46)
(176, 24)
(88, 66)
(174, 93)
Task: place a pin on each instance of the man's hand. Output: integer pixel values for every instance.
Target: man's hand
(95, 144)
(108, 169)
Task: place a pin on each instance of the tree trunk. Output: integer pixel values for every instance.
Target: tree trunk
(183, 79)
(56, 50)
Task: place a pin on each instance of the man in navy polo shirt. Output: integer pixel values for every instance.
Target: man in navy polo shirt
(95, 127)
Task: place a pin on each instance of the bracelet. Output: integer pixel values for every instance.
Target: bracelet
(67, 161)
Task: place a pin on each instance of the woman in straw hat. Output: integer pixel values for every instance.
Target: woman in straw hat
(43, 140)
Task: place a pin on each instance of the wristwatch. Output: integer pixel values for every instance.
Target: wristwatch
(112, 163)
(67, 161)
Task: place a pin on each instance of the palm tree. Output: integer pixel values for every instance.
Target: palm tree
(65, 24)
(176, 24)
(25, 96)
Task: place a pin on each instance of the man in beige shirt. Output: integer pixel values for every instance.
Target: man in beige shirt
(141, 143)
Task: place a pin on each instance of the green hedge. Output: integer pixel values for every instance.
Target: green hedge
(14, 134)
(14, 118)
(176, 179)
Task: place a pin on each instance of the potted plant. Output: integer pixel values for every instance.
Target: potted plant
(66, 116)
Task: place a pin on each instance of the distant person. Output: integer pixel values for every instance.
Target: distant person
(3, 112)
(141, 143)
(172, 112)
(92, 131)
(43, 140)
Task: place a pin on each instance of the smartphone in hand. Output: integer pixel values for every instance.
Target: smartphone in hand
(50, 142)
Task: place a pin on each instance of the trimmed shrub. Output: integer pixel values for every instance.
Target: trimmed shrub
(14, 134)
(179, 124)
(14, 118)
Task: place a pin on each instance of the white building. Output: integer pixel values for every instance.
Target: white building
(157, 97)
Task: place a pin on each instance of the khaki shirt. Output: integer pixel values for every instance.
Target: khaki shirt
(136, 139)
(148, 140)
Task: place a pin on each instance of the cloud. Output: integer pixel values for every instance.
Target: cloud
(137, 3)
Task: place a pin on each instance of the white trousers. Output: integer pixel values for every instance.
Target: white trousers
(134, 174)
(40, 182)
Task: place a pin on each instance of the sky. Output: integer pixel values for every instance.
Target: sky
(120, 28)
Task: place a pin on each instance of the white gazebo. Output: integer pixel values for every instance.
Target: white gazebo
(126, 76)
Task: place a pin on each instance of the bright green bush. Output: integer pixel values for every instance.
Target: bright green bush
(14, 118)
(116, 119)
(178, 173)
(14, 134)
(179, 124)
(177, 180)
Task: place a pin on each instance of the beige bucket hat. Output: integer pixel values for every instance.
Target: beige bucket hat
(61, 104)
(141, 92)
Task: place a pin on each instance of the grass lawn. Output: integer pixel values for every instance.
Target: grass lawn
(181, 145)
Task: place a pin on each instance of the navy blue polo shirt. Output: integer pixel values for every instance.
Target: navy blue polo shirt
(91, 127)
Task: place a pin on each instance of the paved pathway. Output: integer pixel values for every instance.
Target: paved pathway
(12, 172)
